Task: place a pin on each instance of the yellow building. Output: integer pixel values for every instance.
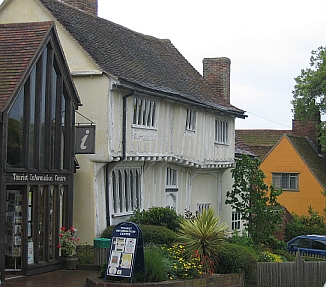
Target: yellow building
(291, 160)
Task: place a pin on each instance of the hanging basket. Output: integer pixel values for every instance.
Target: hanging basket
(71, 262)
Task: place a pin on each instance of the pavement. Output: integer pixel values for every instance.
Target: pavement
(63, 278)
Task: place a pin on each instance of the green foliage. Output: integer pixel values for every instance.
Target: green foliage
(313, 223)
(151, 234)
(234, 258)
(203, 236)
(160, 216)
(179, 266)
(85, 254)
(286, 256)
(310, 90)
(254, 200)
(154, 264)
(267, 256)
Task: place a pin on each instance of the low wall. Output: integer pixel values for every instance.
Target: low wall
(220, 280)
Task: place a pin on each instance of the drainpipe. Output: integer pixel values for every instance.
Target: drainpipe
(124, 126)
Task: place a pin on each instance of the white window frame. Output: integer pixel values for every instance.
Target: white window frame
(286, 180)
(203, 206)
(236, 220)
(171, 179)
(126, 190)
(191, 120)
(221, 131)
(144, 112)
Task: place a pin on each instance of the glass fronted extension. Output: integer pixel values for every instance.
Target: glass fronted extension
(37, 166)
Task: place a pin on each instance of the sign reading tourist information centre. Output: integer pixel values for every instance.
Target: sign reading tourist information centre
(126, 253)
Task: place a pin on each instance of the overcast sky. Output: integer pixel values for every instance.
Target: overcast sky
(268, 42)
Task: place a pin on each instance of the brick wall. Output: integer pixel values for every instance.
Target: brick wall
(307, 129)
(221, 280)
(216, 71)
(90, 6)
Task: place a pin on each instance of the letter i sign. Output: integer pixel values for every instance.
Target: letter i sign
(85, 139)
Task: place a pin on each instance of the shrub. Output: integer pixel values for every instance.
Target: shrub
(234, 258)
(154, 264)
(267, 256)
(85, 254)
(286, 256)
(203, 236)
(160, 216)
(180, 267)
(151, 234)
(313, 223)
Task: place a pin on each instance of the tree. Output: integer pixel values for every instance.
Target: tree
(254, 200)
(309, 92)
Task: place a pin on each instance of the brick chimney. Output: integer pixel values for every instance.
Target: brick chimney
(216, 71)
(90, 6)
(307, 128)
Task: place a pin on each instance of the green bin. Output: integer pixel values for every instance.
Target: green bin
(102, 242)
(101, 250)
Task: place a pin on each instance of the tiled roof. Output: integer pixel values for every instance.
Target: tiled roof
(260, 142)
(138, 59)
(241, 147)
(19, 44)
(315, 162)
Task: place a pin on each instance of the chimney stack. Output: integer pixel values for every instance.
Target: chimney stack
(307, 128)
(90, 6)
(216, 71)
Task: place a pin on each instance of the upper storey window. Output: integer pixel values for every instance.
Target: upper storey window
(144, 112)
(287, 181)
(191, 120)
(221, 131)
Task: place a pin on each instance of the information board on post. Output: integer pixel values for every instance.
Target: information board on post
(126, 250)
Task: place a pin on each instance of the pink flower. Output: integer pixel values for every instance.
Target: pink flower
(60, 234)
(63, 228)
(59, 246)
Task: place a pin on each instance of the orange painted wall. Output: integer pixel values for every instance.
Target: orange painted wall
(284, 158)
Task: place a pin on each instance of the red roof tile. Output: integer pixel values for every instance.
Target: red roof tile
(19, 44)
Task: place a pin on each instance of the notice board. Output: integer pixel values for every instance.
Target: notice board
(126, 251)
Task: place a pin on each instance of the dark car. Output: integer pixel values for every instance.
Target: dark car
(308, 244)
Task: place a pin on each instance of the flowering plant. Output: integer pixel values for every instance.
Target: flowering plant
(68, 241)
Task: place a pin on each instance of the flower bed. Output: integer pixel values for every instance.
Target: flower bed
(225, 280)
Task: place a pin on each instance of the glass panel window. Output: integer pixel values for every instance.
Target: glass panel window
(286, 181)
(144, 112)
(126, 189)
(191, 120)
(202, 206)
(221, 131)
(171, 178)
(15, 132)
(236, 220)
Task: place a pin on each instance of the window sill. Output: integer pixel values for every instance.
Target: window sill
(114, 215)
(144, 128)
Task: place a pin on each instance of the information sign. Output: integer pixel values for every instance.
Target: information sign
(126, 251)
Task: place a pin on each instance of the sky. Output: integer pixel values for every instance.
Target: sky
(268, 43)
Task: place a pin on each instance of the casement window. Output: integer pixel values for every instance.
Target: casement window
(221, 131)
(144, 112)
(191, 120)
(202, 206)
(286, 181)
(126, 189)
(171, 179)
(236, 220)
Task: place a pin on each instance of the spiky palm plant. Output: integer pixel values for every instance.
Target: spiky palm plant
(202, 237)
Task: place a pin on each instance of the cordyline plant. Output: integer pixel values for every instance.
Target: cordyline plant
(202, 236)
(68, 241)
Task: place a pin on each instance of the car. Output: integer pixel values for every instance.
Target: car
(308, 245)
